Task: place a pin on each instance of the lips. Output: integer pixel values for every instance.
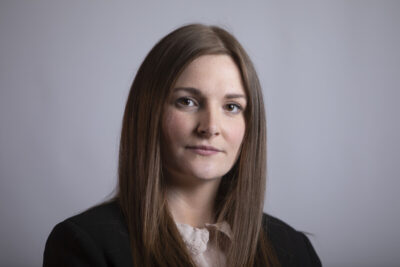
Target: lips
(204, 150)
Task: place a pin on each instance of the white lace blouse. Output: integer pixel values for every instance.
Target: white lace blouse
(201, 245)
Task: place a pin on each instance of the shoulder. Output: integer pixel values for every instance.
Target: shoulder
(292, 247)
(102, 216)
(96, 237)
(103, 223)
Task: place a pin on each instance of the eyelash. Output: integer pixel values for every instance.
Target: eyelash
(181, 101)
(239, 107)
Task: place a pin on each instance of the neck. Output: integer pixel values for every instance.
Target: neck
(193, 205)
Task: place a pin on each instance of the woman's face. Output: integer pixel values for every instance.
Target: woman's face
(203, 122)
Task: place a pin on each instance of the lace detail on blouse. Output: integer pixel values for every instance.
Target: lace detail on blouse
(204, 251)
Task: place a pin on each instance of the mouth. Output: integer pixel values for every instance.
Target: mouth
(204, 150)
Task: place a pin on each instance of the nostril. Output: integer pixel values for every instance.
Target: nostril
(208, 131)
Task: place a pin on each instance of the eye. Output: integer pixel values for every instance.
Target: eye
(233, 108)
(186, 102)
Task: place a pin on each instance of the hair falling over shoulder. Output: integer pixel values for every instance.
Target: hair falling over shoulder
(155, 240)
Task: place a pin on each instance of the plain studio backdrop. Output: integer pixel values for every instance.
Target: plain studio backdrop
(330, 72)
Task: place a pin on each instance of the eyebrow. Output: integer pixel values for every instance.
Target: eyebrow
(197, 92)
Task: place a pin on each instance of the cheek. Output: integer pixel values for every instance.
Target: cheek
(237, 133)
(175, 127)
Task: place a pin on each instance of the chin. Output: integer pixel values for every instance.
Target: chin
(207, 177)
(203, 173)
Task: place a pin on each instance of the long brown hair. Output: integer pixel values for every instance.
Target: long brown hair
(155, 240)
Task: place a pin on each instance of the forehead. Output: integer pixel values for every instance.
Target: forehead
(212, 74)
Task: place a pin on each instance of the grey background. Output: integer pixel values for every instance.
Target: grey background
(331, 76)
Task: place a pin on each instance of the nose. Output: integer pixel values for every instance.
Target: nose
(209, 123)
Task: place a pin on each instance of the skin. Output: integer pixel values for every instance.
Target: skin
(205, 107)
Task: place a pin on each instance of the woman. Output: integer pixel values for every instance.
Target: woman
(192, 168)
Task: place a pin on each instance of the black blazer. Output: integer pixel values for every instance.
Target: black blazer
(99, 237)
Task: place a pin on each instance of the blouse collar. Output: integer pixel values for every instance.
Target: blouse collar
(197, 238)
